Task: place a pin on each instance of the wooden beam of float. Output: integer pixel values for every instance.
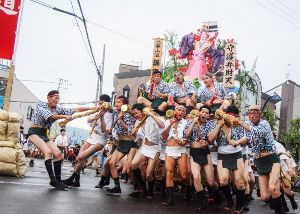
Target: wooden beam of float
(156, 59)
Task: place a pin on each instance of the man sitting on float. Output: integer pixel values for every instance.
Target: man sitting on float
(183, 92)
(158, 96)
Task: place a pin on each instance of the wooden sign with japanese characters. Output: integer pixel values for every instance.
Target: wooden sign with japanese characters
(157, 54)
(229, 64)
(156, 59)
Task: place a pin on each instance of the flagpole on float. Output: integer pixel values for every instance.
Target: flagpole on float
(12, 64)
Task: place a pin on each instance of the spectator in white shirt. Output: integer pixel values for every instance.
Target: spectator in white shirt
(62, 141)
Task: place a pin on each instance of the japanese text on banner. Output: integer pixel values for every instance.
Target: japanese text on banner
(157, 54)
(229, 64)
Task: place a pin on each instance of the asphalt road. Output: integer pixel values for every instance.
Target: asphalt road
(33, 195)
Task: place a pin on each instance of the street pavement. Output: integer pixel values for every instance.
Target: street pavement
(33, 195)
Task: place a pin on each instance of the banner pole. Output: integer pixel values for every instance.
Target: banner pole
(18, 30)
(9, 86)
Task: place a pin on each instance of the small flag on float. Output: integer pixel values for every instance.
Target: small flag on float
(212, 26)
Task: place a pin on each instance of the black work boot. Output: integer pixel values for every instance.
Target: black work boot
(139, 178)
(53, 181)
(114, 190)
(150, 189)
(187, 194)
(57, 185)
(218, 197)
(201, 200)
(76, 182)
(270, 202)
(227, 192)
(163, 187)
(57, 170)
(69, 180)
(104, 181)
(210, 199)
(48, 165)
(240, 198)
(117, 188)
(277, 204)
(283, 201)
(170, 197)
(293, 202)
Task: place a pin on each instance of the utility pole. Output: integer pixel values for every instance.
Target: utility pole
(102, 70)
(62, 84)
(98, 86)
(100, 77)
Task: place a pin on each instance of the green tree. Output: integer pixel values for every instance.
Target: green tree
(292, 138)
(271, 117)
(172, 65)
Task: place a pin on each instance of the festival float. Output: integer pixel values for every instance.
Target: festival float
(201, 52)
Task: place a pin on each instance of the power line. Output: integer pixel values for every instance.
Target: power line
(88, 38)
(119, 34)
(76, 16)
(124, 36)
(277, 14)
(40, 81)
(86, 48)
(258, 32)
(295, 12)
(42, 4)
(274, 5)
(56, 70)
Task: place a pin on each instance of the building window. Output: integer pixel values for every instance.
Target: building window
(126, 91)
(29, 113)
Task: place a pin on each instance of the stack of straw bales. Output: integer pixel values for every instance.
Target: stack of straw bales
(12, 158)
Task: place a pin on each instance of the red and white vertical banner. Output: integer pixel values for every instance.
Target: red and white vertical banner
(9, 13)
(229, 64)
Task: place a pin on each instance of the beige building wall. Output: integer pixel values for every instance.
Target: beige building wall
(296, 103)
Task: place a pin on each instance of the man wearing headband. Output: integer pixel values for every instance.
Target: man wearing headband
(123, 124)
(196, 131)
(158, 97)
(96, 141)
(45, 114)
(230, 159)
(184, 92)
(175, 151)
(260, 135)
(150, 126)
